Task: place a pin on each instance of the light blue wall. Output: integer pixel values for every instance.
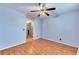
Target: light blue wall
(37, 28)
(64, 26)
(12, 23)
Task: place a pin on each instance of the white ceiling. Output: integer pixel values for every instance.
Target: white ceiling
(26, 7)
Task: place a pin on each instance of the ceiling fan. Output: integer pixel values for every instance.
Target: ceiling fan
(43, 10)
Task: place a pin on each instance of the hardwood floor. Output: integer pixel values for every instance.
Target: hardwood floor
(40, 47)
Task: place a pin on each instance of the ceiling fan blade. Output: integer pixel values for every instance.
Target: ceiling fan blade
(46, 13)
(38, 15)
(34, 10)
(50, 9)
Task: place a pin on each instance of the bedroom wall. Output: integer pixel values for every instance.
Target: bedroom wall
(64, 26)
(12, 28)
(37, 28)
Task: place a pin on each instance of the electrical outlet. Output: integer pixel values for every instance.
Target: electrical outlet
(60, 39)
(23, 29)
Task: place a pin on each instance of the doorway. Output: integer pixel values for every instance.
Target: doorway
(29, 30)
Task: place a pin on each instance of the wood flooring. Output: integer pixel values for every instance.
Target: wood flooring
(40, 47)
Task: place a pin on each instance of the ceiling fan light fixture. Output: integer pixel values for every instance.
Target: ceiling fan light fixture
(42, 13)
(43, 10)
